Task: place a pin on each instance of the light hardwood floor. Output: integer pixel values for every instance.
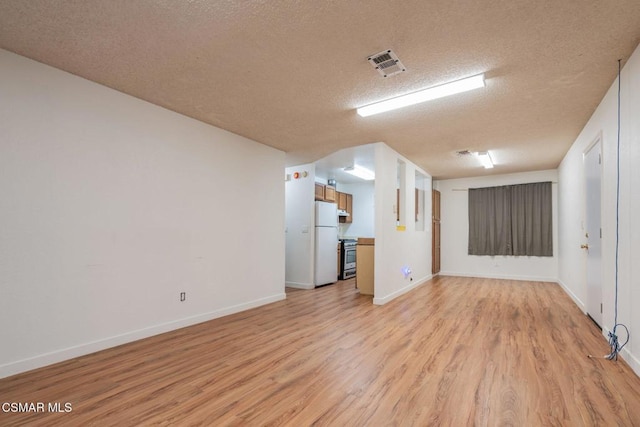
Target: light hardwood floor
(455, 351)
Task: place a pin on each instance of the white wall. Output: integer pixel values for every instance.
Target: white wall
(396, 249)
(454, 224)
(572, 208)
(110, 207)
(299, 227)
(363, 224)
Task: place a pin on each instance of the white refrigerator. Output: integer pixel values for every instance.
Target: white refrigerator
(326, 244)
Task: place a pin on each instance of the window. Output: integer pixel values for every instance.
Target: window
(511, 220)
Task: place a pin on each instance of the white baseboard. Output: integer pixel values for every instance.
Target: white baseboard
(299, 285)
(45, 359)
(404, 290)
(498, 276)
(573, 296)
(633, 361)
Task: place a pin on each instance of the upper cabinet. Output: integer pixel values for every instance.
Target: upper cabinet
(325, 193)
(320, 191)
(329, 194)
(345, 203)
(349, 209)
(342, 201)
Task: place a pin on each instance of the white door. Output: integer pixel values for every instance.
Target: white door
(593, 231)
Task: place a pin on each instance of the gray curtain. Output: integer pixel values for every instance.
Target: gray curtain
(489, 219)
(511, 220)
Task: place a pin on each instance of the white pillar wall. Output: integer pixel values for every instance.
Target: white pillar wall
(396, 249)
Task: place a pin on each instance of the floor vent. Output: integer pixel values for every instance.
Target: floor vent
(387, 63)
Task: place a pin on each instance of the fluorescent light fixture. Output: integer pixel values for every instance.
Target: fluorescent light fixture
(435, 92)
(485, 159)
(360, 172)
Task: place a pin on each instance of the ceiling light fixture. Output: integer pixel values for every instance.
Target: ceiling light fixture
(424, 95)
(485, 159)
(360, 172)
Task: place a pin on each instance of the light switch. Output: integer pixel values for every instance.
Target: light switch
(305, 229)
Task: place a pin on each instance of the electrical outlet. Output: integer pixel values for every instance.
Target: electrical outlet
(183, 296)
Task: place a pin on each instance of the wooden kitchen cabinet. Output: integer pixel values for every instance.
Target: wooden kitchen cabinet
(329, 193)
(348, 207)
(342, 200)
(325, 193)
(320, 192)
(364, 265)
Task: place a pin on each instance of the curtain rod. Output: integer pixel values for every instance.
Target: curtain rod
(466, 189)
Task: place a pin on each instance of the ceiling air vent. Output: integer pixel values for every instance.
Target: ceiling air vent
(462, 153)
(387, 63)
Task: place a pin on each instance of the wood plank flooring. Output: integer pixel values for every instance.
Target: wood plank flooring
(455, 351)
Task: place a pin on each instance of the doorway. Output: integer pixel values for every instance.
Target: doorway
(593, 230)
(435, 239)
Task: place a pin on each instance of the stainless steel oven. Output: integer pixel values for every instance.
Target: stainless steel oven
(348, 258)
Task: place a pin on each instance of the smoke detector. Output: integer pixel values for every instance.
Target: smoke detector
(387, 63)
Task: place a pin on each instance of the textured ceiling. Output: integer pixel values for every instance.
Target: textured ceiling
(290, 73)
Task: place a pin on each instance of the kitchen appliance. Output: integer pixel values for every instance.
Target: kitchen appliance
(326, 244)
(347, 258)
